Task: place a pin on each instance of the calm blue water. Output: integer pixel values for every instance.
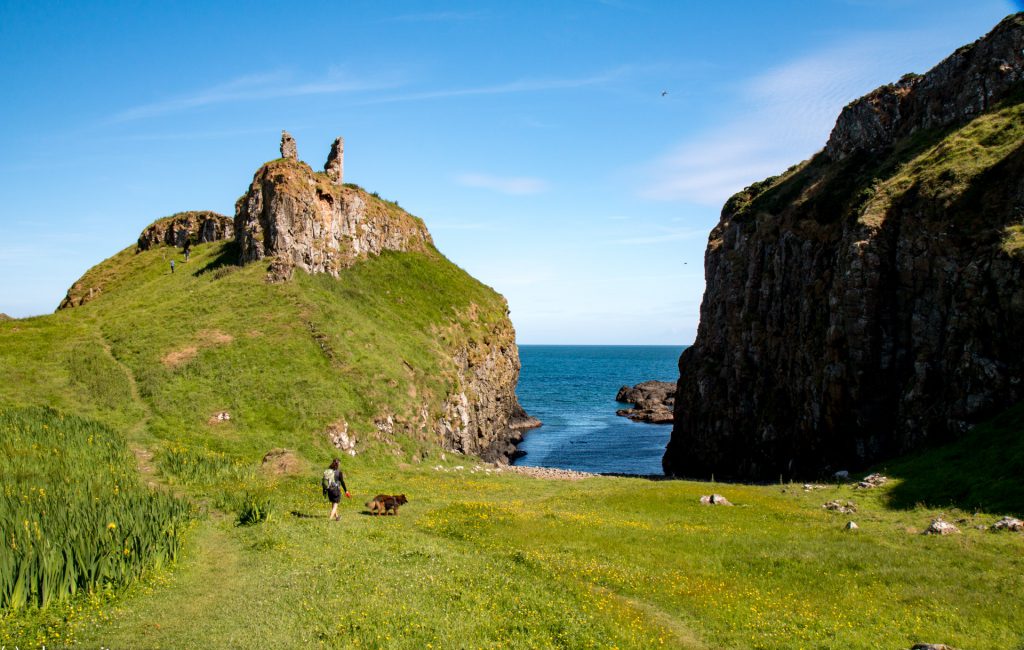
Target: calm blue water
(571, 389)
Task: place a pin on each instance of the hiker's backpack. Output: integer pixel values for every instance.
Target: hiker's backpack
(329, 480)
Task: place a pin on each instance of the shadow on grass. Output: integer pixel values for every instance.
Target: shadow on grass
(982, 471)
(226, 260)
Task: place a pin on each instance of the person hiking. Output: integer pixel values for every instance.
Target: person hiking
(333, 483)
(172, 267)
(188, 249)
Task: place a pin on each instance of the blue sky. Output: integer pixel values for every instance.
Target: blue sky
(532, 137)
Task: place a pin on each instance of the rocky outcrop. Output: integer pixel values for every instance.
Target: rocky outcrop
(482, 415)
(289, 149)
(852, 303)
(309, 222)
(198, 226)
(335, 166)
(653, 402)
(966, 84)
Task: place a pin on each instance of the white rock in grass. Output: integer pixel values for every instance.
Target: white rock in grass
(1009, 523)
(714, 500)
(940, 527)
(852, 525)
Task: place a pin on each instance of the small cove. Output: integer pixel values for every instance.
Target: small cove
(571, 389)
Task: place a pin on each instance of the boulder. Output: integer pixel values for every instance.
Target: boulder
(1009, 523)
(871, 481)
(852, 525)
(940, 527)
(714, 500)
(196, 226)
(845, 507)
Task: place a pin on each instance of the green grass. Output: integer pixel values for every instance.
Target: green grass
(475, 559)
(982, 471)
(73, 516)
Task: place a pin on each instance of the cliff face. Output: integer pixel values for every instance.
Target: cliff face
(307, 221)
(870, 299)
(199, 226)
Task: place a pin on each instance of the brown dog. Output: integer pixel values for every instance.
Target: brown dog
(386, 504)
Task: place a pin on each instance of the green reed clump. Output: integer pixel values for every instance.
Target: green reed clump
(255, 507)
(200, 466)
(73, 515)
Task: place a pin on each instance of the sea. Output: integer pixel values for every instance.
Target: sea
(571, 389)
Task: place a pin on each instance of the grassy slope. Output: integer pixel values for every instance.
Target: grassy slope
(474, 560)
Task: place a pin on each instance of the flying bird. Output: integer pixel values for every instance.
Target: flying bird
(664, 92)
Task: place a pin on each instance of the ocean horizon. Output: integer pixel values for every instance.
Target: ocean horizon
(572, 388)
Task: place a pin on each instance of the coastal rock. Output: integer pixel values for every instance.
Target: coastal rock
(850, 301)
(961, 87)
(653, 401)
(482, 415)
(199, 227)
(289, 149)
(311, 223)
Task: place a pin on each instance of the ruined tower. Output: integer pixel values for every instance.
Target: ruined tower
(335, 166)
(288, 148)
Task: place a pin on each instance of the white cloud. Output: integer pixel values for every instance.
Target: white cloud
(503, 184)
(251, 88)
(516, 86)
(783, 116)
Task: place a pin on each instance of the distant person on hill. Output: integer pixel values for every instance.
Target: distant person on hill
(333, 484)
(172, 267)
(188, 249)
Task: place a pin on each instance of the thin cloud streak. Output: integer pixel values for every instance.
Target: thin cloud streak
(250, 88)
(518, 86)
(515, 185)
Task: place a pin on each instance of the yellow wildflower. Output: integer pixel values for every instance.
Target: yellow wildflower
(111, 526)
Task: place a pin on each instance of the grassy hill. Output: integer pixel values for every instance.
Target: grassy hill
(477, 558)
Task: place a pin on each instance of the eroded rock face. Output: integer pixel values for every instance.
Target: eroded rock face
(199, 226)
(866, 302)
(288, 147)
(482, 415)
(335, 167)
(963, 86)
(311, 223)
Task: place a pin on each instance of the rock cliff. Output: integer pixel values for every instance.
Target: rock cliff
(871, 299)
(199, 226)
(307, 221)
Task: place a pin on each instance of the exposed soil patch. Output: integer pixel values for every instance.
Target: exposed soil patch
(205, 339)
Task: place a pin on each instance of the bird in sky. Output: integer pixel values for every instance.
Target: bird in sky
(664, 92)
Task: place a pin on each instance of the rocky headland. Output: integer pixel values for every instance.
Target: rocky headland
(294, 218)
(870, 300)
(653, 402)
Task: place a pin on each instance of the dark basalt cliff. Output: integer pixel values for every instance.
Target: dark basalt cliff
(870, 299)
